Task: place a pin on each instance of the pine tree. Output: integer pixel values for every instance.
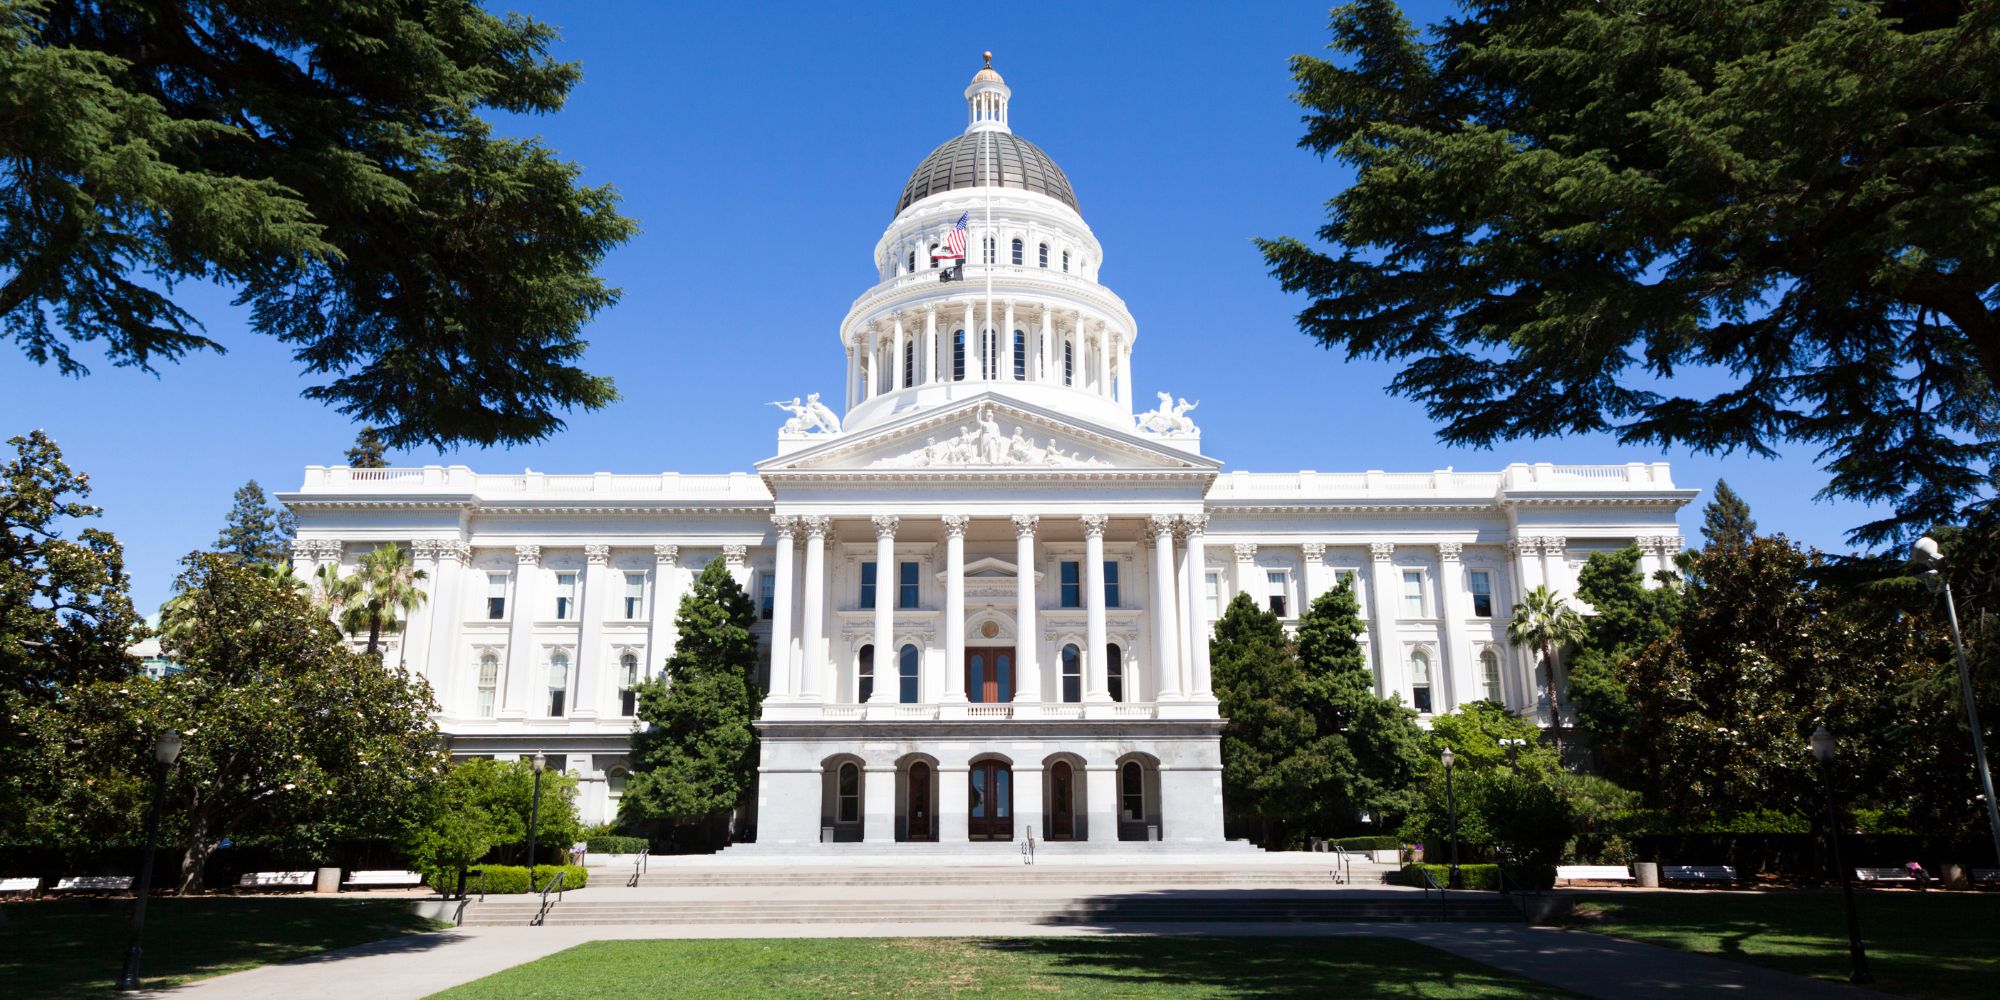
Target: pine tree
(1630, 617)
(1369, 746)
(254, 532)
(695, 761)
(367, 451)
(1726, 520)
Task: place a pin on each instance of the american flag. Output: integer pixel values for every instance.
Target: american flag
(954, 245)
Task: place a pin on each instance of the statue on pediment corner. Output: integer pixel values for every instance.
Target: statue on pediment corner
(1170, 418)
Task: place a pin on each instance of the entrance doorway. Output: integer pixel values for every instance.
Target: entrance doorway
(989, 674)
(990, 813)
(919, 815)
(1062, 802)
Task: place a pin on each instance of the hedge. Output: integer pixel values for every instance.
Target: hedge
(506, 879)
(618, 845)
(1483, 876)
(1368, 843)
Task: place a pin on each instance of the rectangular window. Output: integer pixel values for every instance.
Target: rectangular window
(1211, 582)
(1482, 593)
(1276, 579)
(556, 763)
(767, 595)
(635, 594)
(1072, 587)
(1110, 583)
(907, 590)
(496, 596)
(1413, 593)
(565, 596)
(558, 682)
(489, 683)
(867, 585)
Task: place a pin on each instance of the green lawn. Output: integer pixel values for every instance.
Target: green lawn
(1931, 944)
(1182, 968)
(75, 947)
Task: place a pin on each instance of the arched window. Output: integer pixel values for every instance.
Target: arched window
(850, 794)
(989, 363)
(1069, 362)
(558, 682)
(909, 362)
(934, 258)
(1420, 681)
(1020, 356)
(864, 671)
(1072, 673)
(614, 781)
(913, 262)
(628, 694)
(1114, 671)
(906, 675)
(1017, 248)
(489, 682)
(1065, 261)
(958, 355)
(1045, 254)
(1489, 671)
(1132, 792)
(988, 242)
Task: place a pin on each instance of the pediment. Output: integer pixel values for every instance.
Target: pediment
(988, 434)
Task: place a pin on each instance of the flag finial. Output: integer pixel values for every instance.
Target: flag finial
(988, 54)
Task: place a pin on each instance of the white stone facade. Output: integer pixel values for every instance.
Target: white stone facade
(986, 587)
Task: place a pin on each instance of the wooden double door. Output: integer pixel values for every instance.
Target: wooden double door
(990, 811)
(989, 674)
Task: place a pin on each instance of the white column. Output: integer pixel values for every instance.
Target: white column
(878, 793)
(1166, 620)
(812, 631)
(1043, 345)
(885, 622)
(447, 617)
(783, 580)
(1096, 687)
(1385, 599)
(521, 658)
(954, 634)
(1555, 565)
(1193, 528)
(899, 367)
(590, 645)
(1458, 660)
(1314, 580)
(666, 604)
(932, 367)
(1010, 352)
(736, 558)
(874, 366)
(413, 645)
(1246, 570)
(1027, 671)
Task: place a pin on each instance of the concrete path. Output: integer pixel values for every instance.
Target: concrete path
(407, 968)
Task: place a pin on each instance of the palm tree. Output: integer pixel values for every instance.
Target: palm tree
(383, 583)
(1546, 623)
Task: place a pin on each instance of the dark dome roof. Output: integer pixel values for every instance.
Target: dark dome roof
(968, 161)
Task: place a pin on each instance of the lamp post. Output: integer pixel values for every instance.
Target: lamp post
(534, 816)
(1822, 749)
(1926, 555)
(166, 750)
(1513, 745)
(1451, 814)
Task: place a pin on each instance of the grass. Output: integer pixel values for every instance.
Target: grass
(1931, 944)
(75, 947)
(1181, 968)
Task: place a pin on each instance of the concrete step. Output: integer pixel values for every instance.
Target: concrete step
(1324, 906)
(1026, 876)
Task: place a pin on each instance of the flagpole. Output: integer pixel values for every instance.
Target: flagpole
(993, 178)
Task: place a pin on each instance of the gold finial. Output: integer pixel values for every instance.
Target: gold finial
(989, 58)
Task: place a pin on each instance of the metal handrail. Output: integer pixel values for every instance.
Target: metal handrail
(1028, 846)
(1431, 882)
(556, 886)
(1343, 866)
(639, 867)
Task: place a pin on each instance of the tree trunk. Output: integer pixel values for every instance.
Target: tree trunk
(374, 632)
(1555, 702)
(200, 844)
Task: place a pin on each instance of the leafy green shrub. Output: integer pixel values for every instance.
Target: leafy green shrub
(502, 880)
(606, 844)
(1485, 877)
(1378, 843)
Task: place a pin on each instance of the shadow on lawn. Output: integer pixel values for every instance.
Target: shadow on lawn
(1268, 967)
(75, 947)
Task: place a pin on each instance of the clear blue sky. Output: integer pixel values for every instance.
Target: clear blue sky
(761, 147)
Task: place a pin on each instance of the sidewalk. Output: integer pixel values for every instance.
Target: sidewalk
(407, 968)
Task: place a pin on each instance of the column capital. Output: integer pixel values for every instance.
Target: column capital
(1522, 546)
(954, 524)
(456, 551)
(667, 555)
(1191, 525)
(1382, 551)
(1158, 526)
(528, 555)
(816, 525)
(1094, 525)
(597, 555)
(885, 525)
(1670, 546)
(322, 548)
(1450, 551)
(784, 525)
(1025, 525)
(1246, 551)
(733, 555)
(1314, 551)
(1554, 545)
(425, 548)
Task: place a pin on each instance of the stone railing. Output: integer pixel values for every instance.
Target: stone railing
(1253, 487)
(333, 481)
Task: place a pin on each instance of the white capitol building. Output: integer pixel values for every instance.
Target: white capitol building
(988, 583)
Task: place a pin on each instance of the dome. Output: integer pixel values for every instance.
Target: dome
(969, 161)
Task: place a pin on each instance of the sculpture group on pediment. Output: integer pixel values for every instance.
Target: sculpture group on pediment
(1170, 418)
(982, 443)
(807, 417)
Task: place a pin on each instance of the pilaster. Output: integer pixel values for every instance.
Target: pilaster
(520, 630)
(1385, 599)
(590, 651)
(1027, 669)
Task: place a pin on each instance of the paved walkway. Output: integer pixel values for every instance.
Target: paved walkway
(1589, 964)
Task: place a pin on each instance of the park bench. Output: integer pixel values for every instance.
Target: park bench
(1593, 873)
(1892, 876)
(381, 880)
(1985, 876)
(275, 880)
(27, 884)
(1697, 873)
(94, 883)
